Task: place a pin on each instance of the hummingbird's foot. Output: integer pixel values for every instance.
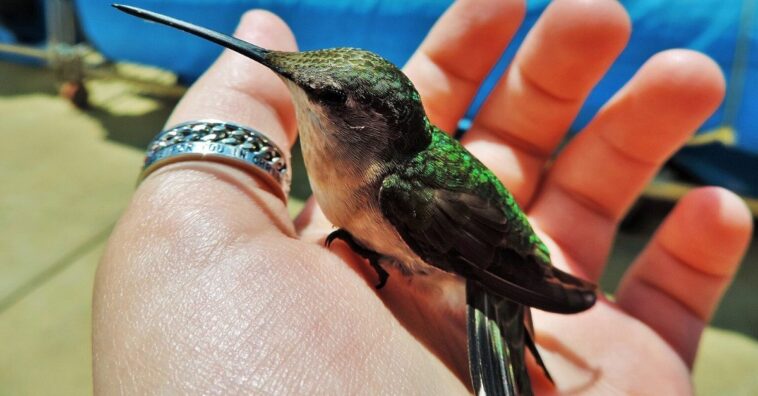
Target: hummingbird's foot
(383, 275)
(372, 256)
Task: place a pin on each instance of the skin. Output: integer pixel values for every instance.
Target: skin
(215, 290)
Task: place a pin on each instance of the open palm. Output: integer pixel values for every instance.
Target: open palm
(214, 289)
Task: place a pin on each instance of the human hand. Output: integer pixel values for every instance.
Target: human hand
(214, 289)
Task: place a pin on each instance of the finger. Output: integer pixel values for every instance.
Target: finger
(457, 54)
(675, 285)
(238, 89)
(531, 108)
(601, 172)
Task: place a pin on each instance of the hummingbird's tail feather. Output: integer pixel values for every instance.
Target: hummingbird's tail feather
(252, 51)
(486, 362)
(496, 340)
(529, 339)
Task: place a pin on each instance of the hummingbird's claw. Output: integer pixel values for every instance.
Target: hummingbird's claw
(383, 275)
(372, 256)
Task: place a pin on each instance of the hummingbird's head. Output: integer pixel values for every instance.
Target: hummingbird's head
(355, 90)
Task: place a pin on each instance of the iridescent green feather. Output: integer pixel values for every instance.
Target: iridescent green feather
(446, 164)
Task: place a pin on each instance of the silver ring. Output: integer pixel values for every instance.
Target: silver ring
(220, 141)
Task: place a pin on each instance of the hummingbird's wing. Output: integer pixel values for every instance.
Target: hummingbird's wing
(474, 228)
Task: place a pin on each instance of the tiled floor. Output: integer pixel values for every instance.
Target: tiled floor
(63, 188)
(65, 177)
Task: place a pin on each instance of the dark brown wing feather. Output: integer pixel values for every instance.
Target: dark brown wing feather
(475, 237)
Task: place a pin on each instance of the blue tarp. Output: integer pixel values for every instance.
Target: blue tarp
(724, 29)
(6, 36)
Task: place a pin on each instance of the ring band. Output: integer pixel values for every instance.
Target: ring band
(220, 141)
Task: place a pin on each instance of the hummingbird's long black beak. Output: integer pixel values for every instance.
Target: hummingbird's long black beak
(252, 51)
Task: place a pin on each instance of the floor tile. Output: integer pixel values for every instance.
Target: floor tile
(62, 181)
(45, 347)
(727, 364)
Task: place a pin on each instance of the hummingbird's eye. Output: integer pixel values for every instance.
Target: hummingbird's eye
(332, 96)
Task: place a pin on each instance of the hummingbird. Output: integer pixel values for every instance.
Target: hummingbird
(403, 192)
